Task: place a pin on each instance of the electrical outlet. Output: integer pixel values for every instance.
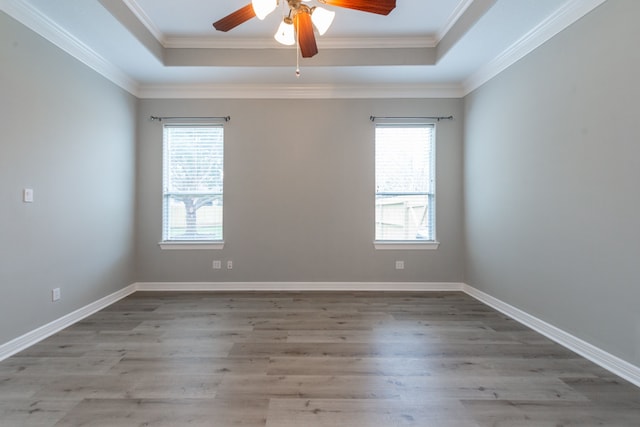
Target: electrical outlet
(217, 264)
(55, 294)
(399, 265)
(229, 265)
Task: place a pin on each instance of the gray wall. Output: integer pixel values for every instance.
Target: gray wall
(299, 193)
(547, 222)
(70, 135)
(552, 166)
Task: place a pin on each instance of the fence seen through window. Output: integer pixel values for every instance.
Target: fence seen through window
(405, 182)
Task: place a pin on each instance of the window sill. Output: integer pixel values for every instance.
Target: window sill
(182, 246)
(412, 246)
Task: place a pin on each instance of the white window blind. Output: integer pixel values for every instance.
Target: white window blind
(405, 183)
(193, 175)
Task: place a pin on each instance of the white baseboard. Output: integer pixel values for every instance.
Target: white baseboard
(606, 360)
(30, 338)
(300, 286)
(598, 356)
(22, 342)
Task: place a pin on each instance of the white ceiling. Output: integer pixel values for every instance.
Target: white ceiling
(423, 48)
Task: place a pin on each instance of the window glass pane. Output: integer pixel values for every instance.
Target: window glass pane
(404, 205)
(403, 217)
(193, 218)
(193, 182)
(403, 157)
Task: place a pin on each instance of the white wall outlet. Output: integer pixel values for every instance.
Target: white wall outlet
(27, 195)
(217, 264)
(229, 265)
(55, 294)
(399, 265)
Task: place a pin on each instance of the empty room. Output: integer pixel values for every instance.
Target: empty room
(286, 213)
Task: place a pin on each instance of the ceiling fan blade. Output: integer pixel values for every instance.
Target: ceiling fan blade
(381, 7)
(306, 38)
(234, 19)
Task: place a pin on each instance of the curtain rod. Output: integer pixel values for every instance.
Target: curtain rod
(156, 118)
(438, 118)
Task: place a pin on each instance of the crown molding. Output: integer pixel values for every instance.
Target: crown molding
(281, 91)
(33, 19)
(323, 42)
(455, 16)
(145, 20)
(268, 42)
(566, 15)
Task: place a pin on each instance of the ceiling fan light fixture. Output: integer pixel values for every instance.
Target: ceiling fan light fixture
(305, 19)
(263, 7)
(285, 34)
(322, 19)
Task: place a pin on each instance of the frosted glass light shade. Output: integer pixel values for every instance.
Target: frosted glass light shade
(285, 34)
(264, 7)
(322, 19)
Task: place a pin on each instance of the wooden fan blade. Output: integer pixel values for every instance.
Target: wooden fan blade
(234, 19)
(381, 7)
(306, 38)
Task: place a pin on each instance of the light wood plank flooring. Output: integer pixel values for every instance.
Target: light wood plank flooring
(307, 360)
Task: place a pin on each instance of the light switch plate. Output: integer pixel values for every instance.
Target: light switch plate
(27, 195)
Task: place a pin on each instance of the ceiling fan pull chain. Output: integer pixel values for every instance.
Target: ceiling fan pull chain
(297, 54)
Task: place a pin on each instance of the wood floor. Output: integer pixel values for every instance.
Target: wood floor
(307, 360)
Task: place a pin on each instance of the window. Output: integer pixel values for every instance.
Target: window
(192, 201)
(405, 183)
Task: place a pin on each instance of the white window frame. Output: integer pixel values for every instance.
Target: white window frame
(411, 244)
(187, 244)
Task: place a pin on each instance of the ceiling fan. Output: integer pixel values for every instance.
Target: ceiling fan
(301, 19)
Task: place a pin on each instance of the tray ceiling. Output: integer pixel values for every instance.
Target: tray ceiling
(163, 48)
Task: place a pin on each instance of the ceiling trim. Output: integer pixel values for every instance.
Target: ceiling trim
(33, 19)
(467, 20)
(459, 10)
(565, 16)
(281, 91)
(168, 41)
(286, 57)
(45, 27)
(145, 20)
(270, 43)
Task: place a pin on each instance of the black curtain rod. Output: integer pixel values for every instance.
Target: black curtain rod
(156, 118)
(438, 118)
